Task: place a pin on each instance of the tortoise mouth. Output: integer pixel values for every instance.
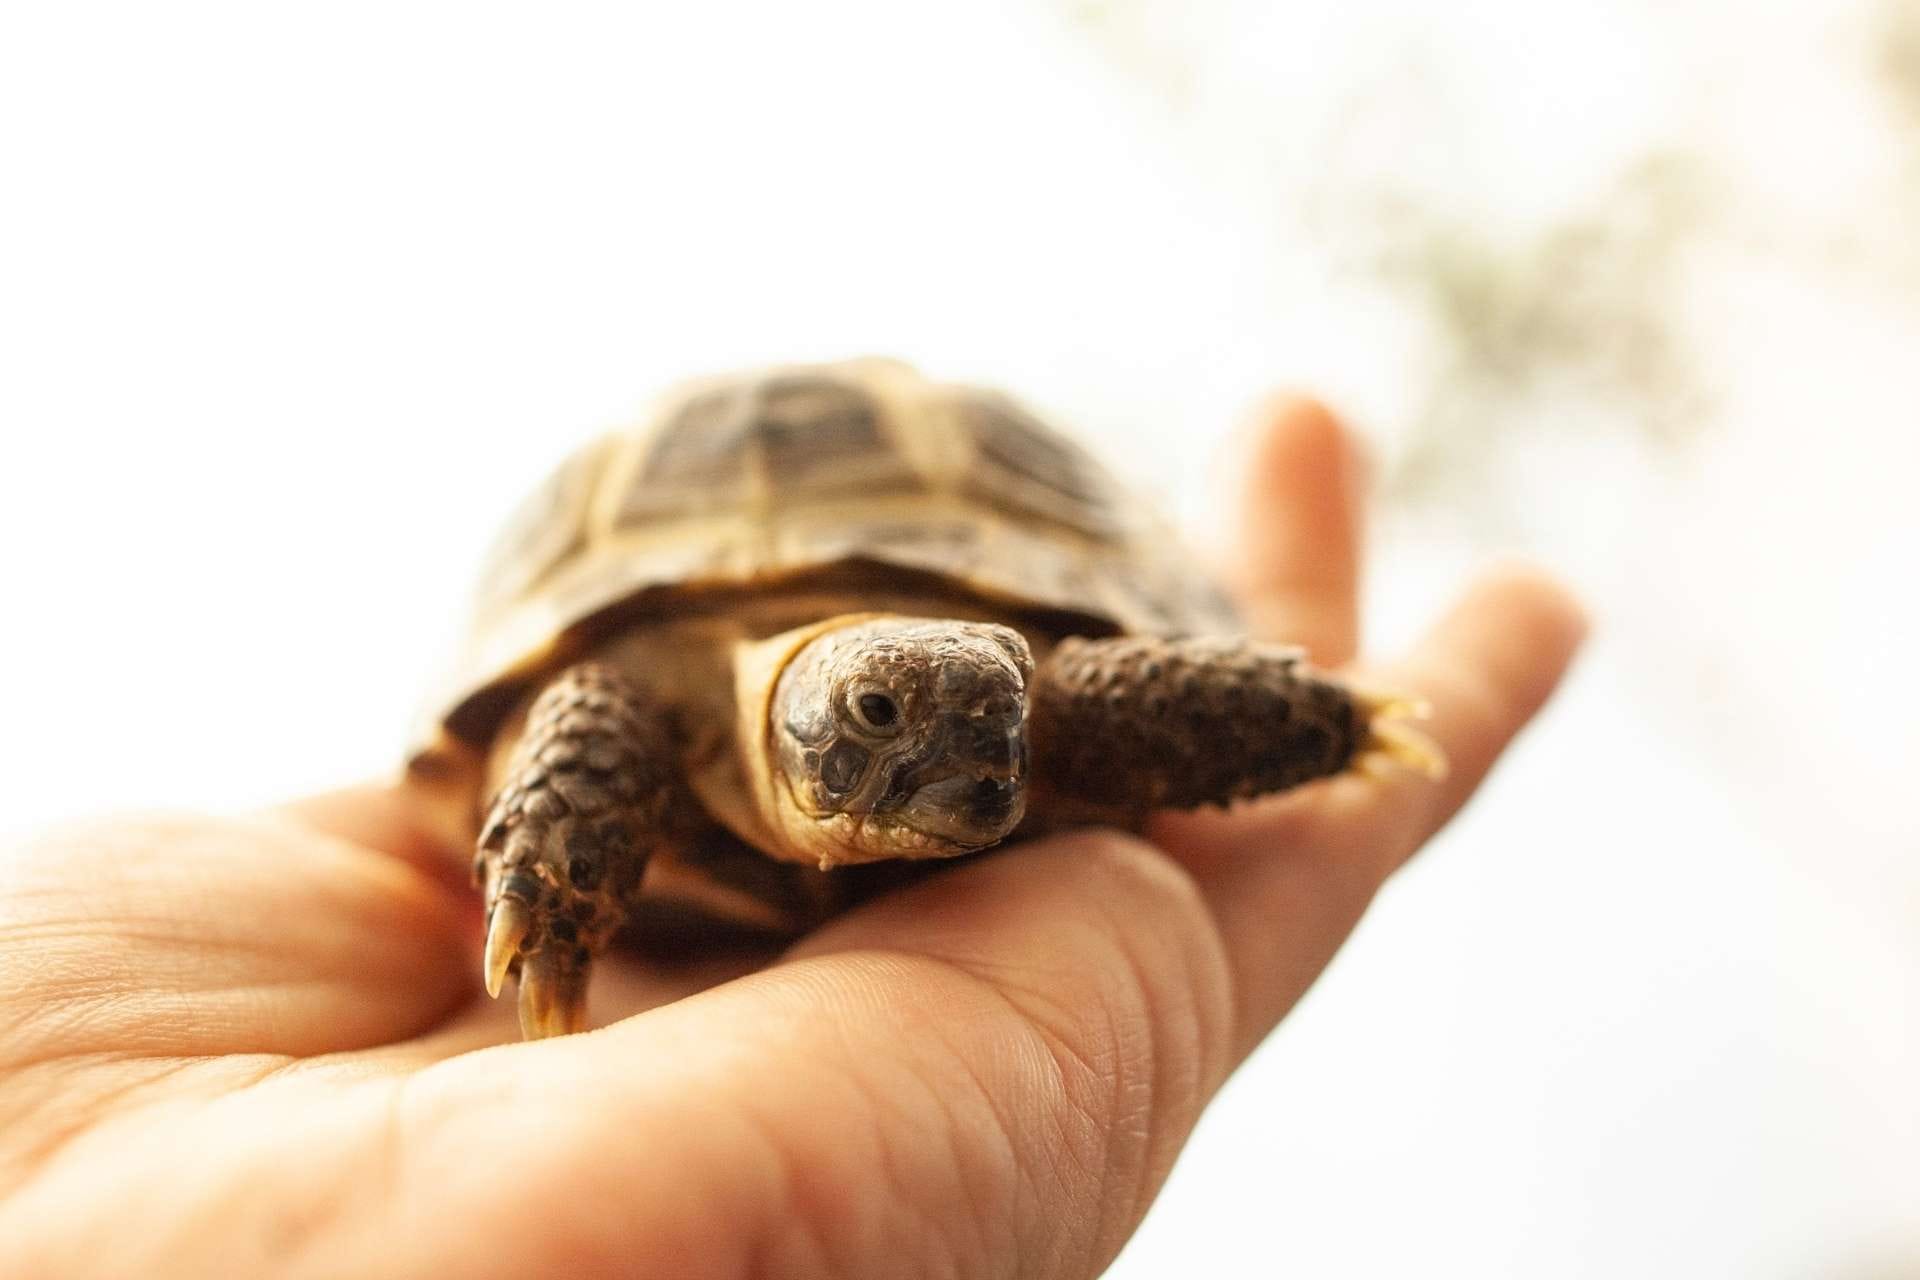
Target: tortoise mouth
(956, 812)
(884, 837)
(972, 808)
(969, 802)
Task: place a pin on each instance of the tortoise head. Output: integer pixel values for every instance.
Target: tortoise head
(893, 737)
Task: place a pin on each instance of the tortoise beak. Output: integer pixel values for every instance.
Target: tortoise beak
(979, 799)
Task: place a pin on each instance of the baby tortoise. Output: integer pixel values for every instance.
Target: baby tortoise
(815, 628)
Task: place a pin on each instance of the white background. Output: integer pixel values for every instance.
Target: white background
(295, 302)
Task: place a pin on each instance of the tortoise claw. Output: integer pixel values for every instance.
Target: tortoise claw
(1391, 741)
(1404, 745)
(553, 979)
(507, 930)
(552, 997)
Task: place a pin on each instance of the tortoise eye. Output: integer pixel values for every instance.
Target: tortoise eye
(875, 711)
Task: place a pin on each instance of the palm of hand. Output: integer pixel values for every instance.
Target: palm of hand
(235, 1047)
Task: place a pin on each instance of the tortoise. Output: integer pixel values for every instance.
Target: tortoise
(815, 630)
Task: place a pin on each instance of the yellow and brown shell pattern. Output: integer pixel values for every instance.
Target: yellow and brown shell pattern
(745, 481)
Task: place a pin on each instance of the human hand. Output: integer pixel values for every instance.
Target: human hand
(259, 1046)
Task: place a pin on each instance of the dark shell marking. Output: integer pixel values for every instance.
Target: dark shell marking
(799, 436)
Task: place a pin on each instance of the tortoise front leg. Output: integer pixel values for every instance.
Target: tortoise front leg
(1126, 725)
(586, 796)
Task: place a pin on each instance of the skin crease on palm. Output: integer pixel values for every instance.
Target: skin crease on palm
(260, 1047)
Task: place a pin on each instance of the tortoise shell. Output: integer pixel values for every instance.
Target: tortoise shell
(854, 468)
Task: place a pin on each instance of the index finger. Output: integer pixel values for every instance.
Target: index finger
(1296, 575)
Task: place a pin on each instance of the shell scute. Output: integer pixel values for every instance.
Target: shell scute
(743, 482)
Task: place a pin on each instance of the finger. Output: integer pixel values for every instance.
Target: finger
(1289, 878)
(1298, 550)
(997, 1064)
(188, 936)
(621, 987)
(1487, 668)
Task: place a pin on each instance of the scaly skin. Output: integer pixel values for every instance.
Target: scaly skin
(1127, 725)
(1120, 727)
(587, 793)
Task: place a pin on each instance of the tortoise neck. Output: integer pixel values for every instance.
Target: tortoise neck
(757, 668)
